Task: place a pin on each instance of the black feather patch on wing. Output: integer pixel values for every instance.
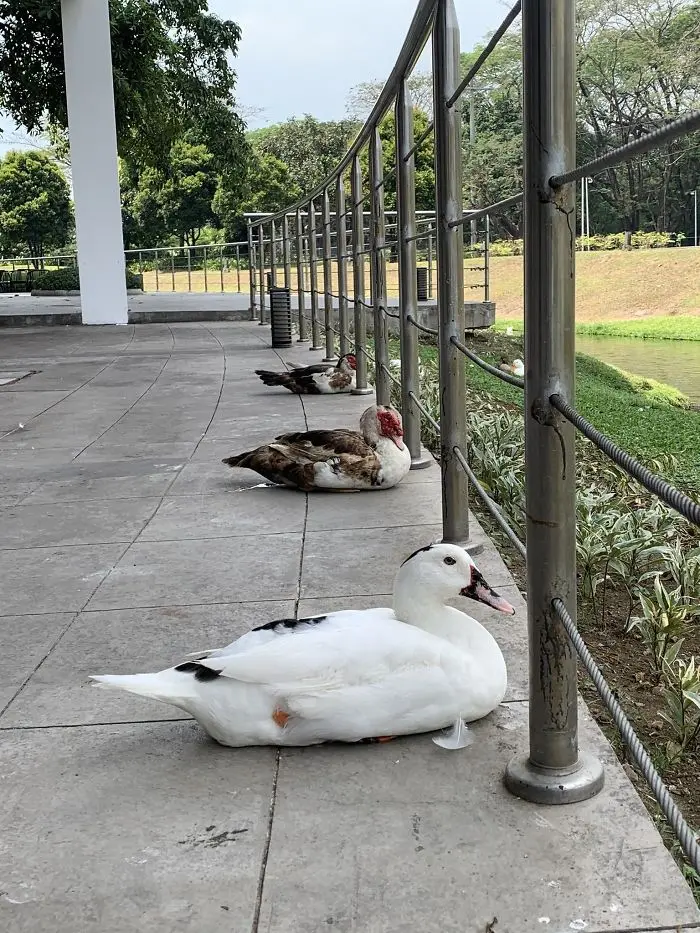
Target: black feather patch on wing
(199, 670)
(288, 624)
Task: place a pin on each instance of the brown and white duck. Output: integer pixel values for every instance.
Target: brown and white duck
(340, 459)
(318, 379)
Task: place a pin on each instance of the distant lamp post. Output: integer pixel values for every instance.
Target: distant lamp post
(585, 212)
(695, 215)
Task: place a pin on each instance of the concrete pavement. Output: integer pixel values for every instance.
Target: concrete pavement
(124, 544)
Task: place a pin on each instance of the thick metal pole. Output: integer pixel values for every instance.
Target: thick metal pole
(358, 277)
(553, 772)
(378, 269)
(450, 259)
(273, 254)
(341, 246)
(430, 265)
(251, 271)
(408, 290)
(313, 278)
(301, 297)
(286, 253)
(328, 281)
(261, 270)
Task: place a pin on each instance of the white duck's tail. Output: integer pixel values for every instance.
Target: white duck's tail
(169, 686)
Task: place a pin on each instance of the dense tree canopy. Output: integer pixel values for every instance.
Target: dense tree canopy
(172, 73)
(36, 214)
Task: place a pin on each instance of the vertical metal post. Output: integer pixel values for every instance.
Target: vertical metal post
(189, 269)
(358, 278)
(430, 265)
(286, 253)
(313, 277)
(221, 266)
(472, 140)
(378, 269)
(141, 263)
(487, 257)
(172, 270)
(553, 772)
(204, 264)
(273, 254)
(341, 246)
(251, 271)
(450, 259)
(238, 269)
(261, 271)
(328, 280)
(301, 298)
(695, 196)
(157, 271)
(408, 291)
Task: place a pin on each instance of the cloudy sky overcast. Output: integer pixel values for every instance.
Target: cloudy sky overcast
(280, 70)
(283, 72)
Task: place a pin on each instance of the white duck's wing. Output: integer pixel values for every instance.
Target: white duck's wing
(364, 672)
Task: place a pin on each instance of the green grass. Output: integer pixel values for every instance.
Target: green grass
(645, 417)
(657, 328)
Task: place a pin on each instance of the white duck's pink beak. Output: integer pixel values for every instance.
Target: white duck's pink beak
(479, 590)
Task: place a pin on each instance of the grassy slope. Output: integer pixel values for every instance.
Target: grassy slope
(615, 286)
(640, 415)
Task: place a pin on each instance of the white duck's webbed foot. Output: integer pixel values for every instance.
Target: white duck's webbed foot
(459, 736)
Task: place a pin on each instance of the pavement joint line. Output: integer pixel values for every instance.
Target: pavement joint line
(92, 725)
(55, 643)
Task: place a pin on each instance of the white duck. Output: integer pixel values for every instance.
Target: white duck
(351, 675)
(516, 368)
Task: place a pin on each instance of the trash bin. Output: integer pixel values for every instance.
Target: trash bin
(281, 317)
(422, 283)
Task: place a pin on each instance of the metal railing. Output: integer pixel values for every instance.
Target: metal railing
(554, 770)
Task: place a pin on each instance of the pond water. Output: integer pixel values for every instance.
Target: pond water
(675, 362)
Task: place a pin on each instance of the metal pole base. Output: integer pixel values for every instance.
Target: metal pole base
(553, 785)
(329, 359)
(468, 545)
(366, 391)
(318, 349)
(423, 460)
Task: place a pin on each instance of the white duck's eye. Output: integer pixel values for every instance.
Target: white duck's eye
(449, 561)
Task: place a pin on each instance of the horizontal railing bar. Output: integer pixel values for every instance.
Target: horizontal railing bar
(673, 497)
(491, 45)
(421, 407)
(491, 506)
(421, 236)
(680, 127)
(390, 313)
(426, 330)
(487, 367)
(419, 142)
(367, 355)
(633, 745)
(496, 208)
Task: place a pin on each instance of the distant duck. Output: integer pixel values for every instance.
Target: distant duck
(516, 368)
(351, 675)
(318, 379)
(336, 460)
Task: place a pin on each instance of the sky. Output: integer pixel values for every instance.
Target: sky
(304, 56)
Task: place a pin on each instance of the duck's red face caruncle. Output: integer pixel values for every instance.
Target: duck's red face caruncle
(352, 361)
(390, 426)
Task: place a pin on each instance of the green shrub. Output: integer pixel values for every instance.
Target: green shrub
(69, 280)
(600, 243)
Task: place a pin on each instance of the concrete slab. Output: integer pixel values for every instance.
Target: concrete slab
(411, 837)
(174, 573)
(183, 854)
(103, 642)
(133, 827)
(59, 524)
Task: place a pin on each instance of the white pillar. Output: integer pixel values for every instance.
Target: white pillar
(93, 148)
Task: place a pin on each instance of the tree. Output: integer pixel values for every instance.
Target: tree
(175, 202)
(311, 149)
(268, 188)
(36, 213)
(424, 161)
(362, 97)
(172, 72)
